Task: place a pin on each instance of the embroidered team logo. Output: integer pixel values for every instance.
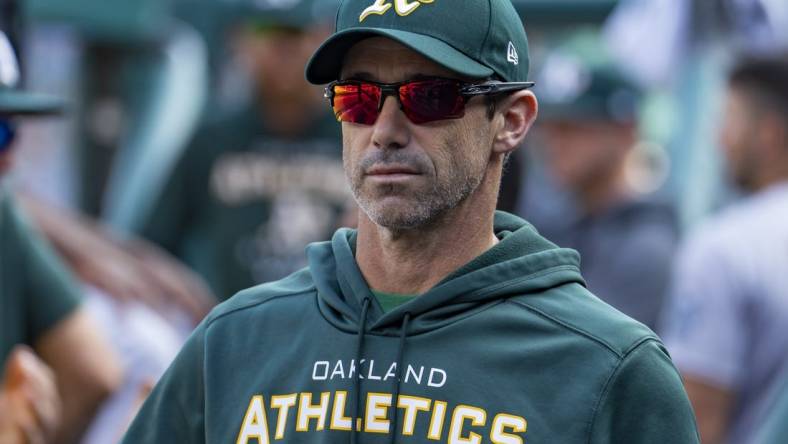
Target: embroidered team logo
(402, 7)
(511, 54)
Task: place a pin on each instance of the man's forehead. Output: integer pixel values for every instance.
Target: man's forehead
(380, 56)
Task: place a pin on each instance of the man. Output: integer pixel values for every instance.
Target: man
(728, 309)
(39, 307)
(438, 319)
(255, 187)
(625, 238)
(133, 296)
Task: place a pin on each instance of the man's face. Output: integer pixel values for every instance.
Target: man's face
(578, 153)
(405, 175)
(276, 57)
(738, 138)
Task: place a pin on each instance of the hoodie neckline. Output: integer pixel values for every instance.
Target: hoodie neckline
(522, 262)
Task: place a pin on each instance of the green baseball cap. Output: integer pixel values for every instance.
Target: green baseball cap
(474, 38)
(578, 80)
(297, 14)
(14, 101)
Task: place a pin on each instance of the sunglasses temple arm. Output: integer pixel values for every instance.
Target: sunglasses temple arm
(495, 88)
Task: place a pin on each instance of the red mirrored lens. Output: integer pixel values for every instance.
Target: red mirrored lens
(422, 101)
(356, 103)
(431, 100)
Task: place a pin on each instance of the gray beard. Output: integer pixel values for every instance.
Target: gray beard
(427, 208)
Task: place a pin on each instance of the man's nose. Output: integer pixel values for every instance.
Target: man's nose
(391, 130)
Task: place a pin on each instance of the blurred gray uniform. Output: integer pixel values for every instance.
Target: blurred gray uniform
(627, 245)
(626, 252)
(727, 314)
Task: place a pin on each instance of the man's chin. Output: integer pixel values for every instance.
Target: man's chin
(395, 218)
(401, 214)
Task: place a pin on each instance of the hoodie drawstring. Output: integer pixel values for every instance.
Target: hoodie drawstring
(362, 326)
(398, 379)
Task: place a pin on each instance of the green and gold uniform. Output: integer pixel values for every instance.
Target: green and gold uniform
(510, 348)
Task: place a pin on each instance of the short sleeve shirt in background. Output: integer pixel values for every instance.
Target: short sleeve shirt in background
(243, 203)
(36, 290)
(728, 310)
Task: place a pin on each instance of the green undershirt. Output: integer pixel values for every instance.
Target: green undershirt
(390, 301)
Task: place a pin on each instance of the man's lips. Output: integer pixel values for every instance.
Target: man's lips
(391, 170)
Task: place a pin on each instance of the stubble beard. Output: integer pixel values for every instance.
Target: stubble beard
(422, 207)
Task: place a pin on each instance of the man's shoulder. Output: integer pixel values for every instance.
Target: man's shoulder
(575, 311)
(291, 289)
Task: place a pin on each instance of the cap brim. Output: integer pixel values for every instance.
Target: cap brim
(24, 103)
(326, 64)
(584, 109)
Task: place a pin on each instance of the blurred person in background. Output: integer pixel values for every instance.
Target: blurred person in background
(589, 127)
(142, 301)
(52, 390)
(728, 307)
(254, 187)
(100, 253)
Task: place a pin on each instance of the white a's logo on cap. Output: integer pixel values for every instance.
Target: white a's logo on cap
(511, 54)
(403, 7)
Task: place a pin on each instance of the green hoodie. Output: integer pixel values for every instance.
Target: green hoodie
(510, 348)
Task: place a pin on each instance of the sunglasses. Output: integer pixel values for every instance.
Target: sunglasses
(422, 101)
(7, 134)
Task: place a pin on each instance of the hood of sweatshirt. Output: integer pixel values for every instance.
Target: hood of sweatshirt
(522, 262)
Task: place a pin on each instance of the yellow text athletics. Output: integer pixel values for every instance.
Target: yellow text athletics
(268, 419)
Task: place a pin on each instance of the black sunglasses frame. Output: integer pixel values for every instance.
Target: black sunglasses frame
(467, 90)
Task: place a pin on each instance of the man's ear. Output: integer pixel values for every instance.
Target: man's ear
(518, 112)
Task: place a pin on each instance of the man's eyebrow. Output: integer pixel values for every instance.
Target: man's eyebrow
(362, 75)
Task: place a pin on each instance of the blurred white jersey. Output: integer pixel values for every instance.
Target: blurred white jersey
(727, 312)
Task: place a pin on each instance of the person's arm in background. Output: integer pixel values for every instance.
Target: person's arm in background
(131, 269)
(86, 369)
(30, 408)
(712, 406)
